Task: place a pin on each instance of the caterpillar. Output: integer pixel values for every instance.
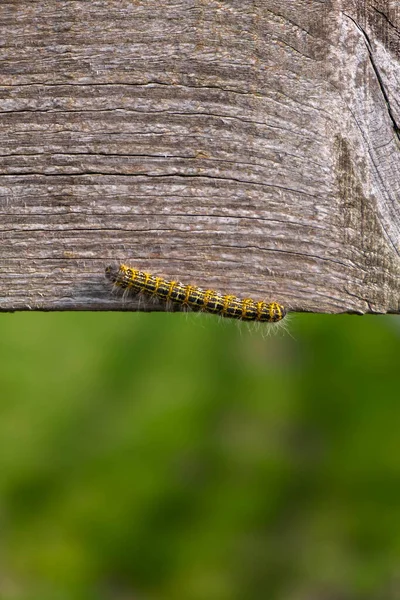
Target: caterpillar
(191, 296)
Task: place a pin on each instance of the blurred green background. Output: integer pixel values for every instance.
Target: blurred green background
(178, 457)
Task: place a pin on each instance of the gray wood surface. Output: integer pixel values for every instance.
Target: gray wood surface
(250, 146)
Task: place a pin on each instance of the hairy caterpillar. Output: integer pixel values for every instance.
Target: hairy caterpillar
(209, 301)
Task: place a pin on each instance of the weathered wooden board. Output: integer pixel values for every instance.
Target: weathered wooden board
(248, 146)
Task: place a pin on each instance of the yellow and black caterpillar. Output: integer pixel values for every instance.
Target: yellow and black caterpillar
(191, 296)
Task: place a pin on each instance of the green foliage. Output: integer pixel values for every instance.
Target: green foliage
(173, 457)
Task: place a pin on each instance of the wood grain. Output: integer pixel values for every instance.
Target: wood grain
(248, 146)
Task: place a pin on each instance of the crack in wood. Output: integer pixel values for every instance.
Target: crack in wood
(385, 95)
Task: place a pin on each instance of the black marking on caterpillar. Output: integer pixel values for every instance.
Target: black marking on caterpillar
(136, 281)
